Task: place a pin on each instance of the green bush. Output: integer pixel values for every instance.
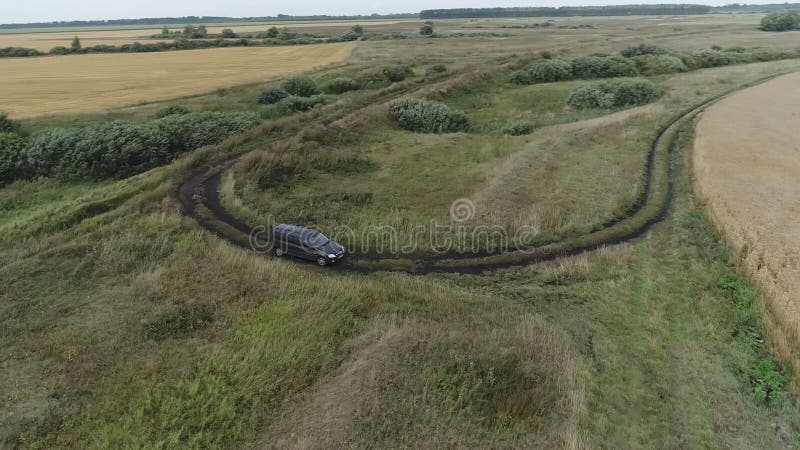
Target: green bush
(436, 68)
(45, 153)
(300, 104)
(7, 125)
(426, 29)
(642, 49)
(13, 164)
(652, 64)
(342, 85)
(781, 21)
(301, 86)
(194, 130)
(424, 116)
(518, 128)
(550, 70)
(603, 67)
(272, 96)
(707, 58)
(18, 52)
(115, 150)
(522, 76)
(172, 110)
(613, 94)
(398, 73)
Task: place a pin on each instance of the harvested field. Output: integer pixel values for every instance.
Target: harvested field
(44, 40)
(747, 165)
(41, 86)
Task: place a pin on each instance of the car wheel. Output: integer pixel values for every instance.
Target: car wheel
(279, 252)
(322, 261)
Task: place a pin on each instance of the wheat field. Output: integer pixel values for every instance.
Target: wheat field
(746, 166)
(46, 40)
(42, 86)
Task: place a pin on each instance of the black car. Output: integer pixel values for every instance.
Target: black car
(305, 243)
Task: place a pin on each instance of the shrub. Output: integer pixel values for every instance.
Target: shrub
(428, 117)
(642, 49)
(426, 29)
(518, 128)
(549, 70)
(227, 33)
(194, 130)
(349, 36)
(436, 68)
(45, 153)
(603, 67)
(13, 164)
(342, 85)
(613, 94)
(652, 64)
(522, 76)
(301, 86)
(60, 50)
(172, 110)
(781, 21)
(7, 125)
(115, 150)
(301, 104)
(272, 96)
(708, 58)
(397, 73)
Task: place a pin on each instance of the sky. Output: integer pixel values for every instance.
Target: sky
(20, 11)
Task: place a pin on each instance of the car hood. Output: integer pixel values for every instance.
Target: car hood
(332, 247)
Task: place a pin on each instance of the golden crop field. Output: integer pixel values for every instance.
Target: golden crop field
(45, 40)
(747, 167)
(50, 85)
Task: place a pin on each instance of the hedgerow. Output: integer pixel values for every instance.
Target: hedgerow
(117, 149)
(604, 67)
(613, 94)
(425, 116)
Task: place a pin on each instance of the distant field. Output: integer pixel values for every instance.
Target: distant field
(45, 39)
(41, 86)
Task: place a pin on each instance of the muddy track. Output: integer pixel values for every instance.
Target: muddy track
(199, 199)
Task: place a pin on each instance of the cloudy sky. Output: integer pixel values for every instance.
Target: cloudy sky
(16, 11)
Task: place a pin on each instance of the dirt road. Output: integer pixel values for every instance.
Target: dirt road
(746, 163)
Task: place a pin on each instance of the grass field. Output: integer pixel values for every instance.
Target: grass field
(125, 324)
(44, 86)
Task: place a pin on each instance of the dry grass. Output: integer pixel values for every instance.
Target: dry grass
(747, 167)
(42, 86)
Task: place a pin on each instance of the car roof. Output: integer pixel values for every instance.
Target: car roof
(294, 229)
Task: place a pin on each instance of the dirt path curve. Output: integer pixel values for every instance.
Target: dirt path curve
(746, 163)
(199, 198)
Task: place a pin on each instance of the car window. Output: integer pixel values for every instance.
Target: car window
(318, 240)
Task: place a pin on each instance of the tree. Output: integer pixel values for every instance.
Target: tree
(426, 29)
(273, 32)
(358, 29)
(165, 31)
(76, 44)
(227, 33)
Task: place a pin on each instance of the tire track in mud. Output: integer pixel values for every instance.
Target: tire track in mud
(199, 199)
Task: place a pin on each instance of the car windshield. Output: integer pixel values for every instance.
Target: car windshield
(318, 240)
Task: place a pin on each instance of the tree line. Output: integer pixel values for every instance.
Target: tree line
(619, 10)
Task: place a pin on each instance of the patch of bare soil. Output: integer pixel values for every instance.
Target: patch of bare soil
(746, 163)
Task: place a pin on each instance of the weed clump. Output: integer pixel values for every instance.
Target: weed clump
(425, 116)
(342, 85)
(518, 129)
(171, 111)
(178, 322)
(272, 96)
(613, 94)
(436, 68)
